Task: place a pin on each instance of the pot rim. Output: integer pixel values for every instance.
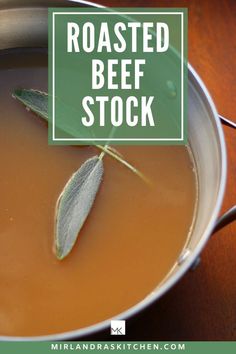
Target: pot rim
(156, 294)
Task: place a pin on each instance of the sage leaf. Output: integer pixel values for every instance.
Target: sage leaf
(74, 204)
(37, 102)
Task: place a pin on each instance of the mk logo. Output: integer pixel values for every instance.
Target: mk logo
(117, 328)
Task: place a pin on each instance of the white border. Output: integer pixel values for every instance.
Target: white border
(117, 139)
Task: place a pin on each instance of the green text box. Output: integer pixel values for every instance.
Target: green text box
(149, 107)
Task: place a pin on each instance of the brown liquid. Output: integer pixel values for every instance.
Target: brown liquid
(130, 241)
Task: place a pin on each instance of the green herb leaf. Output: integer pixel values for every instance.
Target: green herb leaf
(75, 203)
(37, 102)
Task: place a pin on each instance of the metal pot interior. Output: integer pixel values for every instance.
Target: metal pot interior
(24, 24)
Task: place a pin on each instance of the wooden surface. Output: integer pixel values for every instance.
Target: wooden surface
(202, 306)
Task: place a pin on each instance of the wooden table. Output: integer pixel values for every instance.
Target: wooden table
(202, 306)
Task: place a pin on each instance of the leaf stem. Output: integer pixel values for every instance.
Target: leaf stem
(37, 102)
(105, 149)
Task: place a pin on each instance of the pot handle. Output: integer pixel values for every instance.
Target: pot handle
(230, 215)
(228, 122)
(225, 219)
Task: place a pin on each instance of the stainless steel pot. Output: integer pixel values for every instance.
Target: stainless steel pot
(23, 23)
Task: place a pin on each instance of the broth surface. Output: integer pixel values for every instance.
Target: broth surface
(130, 241)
